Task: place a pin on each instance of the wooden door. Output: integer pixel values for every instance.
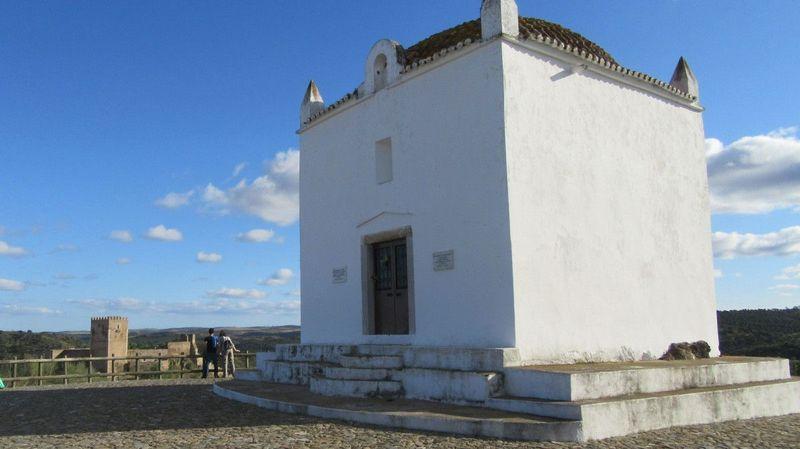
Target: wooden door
(391, 287)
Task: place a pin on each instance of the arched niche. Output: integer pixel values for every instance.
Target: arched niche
(384, 64)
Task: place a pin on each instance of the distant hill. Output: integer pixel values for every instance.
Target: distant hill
(23, 344)
(762, 332)
(29, 344)
(250, 339)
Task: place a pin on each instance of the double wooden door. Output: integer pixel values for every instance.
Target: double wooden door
(390, 287)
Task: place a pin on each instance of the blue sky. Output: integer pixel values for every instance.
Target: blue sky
(108, 107)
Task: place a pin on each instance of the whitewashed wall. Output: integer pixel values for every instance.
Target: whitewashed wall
(610, 222)
(446, 126)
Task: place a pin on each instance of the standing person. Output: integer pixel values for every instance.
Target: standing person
(210, 354)
(228, 348)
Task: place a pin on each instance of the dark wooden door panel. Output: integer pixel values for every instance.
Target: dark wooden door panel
(391, 287)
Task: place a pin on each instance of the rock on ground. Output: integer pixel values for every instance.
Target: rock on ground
(186, 414)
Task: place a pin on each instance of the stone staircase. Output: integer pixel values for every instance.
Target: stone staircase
(600, 399)
(384, 371)
(360, 376)
(612, 399)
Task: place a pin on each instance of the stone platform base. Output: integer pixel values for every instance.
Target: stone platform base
(588, 401)
(401, 413)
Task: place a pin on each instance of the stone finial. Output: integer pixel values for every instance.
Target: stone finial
(684, 80)
(312, 103)
(499, 17)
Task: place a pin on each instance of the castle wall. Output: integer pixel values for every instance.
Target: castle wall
(609, 215)
(448, 185)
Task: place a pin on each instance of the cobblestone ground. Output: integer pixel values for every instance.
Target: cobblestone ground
(185, 414)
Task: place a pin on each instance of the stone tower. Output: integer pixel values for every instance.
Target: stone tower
(109, 339)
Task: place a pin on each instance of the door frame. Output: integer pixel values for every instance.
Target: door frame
(368, 270)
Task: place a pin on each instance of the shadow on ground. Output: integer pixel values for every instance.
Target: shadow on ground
(122, 407)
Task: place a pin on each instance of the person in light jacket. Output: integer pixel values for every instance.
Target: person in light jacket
(228, 349)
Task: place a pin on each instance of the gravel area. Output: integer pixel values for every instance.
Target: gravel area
(186, 414)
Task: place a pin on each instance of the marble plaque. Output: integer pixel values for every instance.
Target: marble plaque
(443, 260)
(340, 275)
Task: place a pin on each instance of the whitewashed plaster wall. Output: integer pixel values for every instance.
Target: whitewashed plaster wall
(449, 185)
(609, 215)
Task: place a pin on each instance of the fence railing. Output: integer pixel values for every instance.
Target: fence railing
(85, 369)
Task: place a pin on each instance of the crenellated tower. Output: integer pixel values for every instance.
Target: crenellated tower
(109, 339)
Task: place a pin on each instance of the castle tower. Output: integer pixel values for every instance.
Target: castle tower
(109, 339)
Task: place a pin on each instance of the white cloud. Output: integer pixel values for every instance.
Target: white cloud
(785, 289)
(121, 236)
(164, 234)
(126, 304)
(14, 309)
(717, 273)
(232, 306)
(174, 200)
(755, 174)
(9, 285)
(211, 306)
(64, 248)
(785, 242)
(238, 169)
(256, 236)
(204, 257)
(280, 277)
(123, 261)
(11, 251)
(238, 293)
(274, 197)
(787, 273)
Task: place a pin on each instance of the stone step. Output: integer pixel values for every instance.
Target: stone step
(449, 385)
(297, 373)
(405, 414)
(371, 361)
(599, 380)
(311, 353)
(335, 372)
(248, 374)
(603, 418)
(396, 350)
(462, 359)
(356, 388)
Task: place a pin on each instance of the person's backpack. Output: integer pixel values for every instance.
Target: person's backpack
(227, 343)
(211, 344)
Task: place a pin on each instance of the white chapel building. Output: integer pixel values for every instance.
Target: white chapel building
(507, 183)
(490, 212)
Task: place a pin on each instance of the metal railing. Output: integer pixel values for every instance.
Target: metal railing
(138, 367)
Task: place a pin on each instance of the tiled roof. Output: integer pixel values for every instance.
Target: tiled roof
(529, 27)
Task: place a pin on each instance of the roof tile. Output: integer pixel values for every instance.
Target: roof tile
(529, 27)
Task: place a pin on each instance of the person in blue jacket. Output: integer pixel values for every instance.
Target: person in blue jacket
(210, 354)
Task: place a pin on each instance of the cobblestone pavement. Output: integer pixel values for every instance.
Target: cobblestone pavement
(185, 414)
